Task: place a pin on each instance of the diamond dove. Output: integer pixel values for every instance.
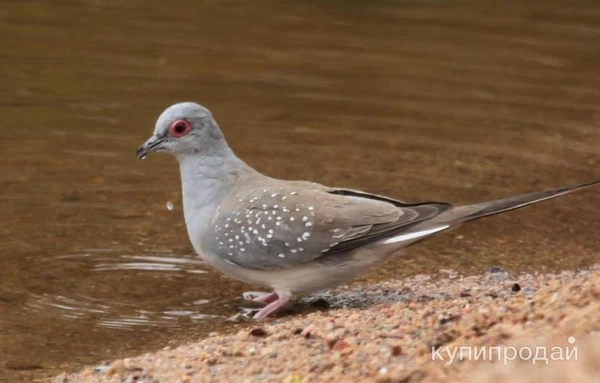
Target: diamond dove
(294, 237)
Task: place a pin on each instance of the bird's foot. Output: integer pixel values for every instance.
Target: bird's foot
(260, 297)
(273, 306)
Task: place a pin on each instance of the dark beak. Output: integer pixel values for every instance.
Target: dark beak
(148, 147)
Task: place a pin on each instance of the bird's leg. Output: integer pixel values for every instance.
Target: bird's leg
(266, 298)
(273, 307)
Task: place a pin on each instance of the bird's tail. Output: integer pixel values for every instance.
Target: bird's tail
(484, 209)
(461, 214)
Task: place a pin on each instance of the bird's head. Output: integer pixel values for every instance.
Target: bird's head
(184, 128)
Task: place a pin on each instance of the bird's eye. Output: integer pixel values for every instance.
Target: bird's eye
(179, 128)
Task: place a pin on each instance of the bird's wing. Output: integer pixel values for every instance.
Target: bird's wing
(281, 227)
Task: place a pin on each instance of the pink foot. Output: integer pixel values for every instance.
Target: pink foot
(266, 298)
(273, 307)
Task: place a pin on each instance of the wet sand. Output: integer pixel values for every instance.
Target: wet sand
(385, 333)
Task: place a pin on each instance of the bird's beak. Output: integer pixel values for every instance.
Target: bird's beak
(148, 147)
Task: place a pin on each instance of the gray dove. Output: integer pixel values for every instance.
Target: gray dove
(294, 237)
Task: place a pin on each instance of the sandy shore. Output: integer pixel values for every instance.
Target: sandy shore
(401, 331)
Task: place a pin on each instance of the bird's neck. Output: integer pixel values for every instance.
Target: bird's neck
(207, 179)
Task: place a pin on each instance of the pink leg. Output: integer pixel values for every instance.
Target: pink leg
(273, 307)
(266, 298)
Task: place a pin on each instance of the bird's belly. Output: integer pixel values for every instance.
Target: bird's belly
(312, 276)
(213, 260)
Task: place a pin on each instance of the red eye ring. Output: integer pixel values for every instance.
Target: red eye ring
(179, 128)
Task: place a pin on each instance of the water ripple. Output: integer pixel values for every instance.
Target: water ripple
(119, 311)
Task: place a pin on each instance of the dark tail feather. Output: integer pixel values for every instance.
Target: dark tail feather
(462, 214)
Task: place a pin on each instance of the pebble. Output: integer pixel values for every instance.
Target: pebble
(116, 368)
(258, 332)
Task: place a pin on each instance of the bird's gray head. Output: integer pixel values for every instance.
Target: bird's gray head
(184, 128)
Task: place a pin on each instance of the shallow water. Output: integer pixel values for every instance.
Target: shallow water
(419, 100)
